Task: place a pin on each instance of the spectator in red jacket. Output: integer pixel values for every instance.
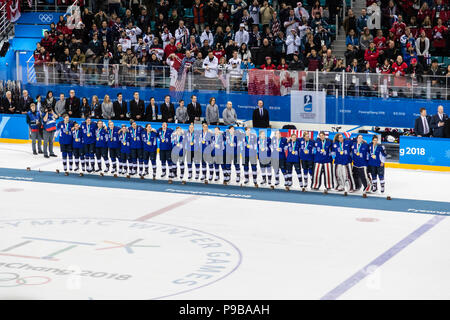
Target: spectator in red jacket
(371, 55)
(283, 65)
(314, 61)
(268, 65)
(399, 67)
(398, 28)
(47, 42)
(379, 40)
(439, 36)
(199, 16)
(170, 47)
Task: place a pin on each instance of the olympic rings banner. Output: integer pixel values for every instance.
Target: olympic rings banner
(45, 18)
(425, 151)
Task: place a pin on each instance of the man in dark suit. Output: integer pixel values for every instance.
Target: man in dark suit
(24, 103)
(73, 105)
(438, 123)
(422, 124)
(261, 116)
(120, 108)
(167, 110)
(137, 108)
(194, 110)
(151, 113)
(8, 104)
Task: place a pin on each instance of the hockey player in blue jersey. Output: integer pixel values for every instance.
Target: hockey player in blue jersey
(293, 160)
(232, 156)
(88, 130)
(341, 151)
(322, 161)
(360, 155)
(149, 137)
(306, 159)
(178, 154)
(125, 151)
(249, 152)
(113, 145)
(205, 141)
(64, 131)
(279, 156)
(101, 146)
(78, 147)
(375, 167)
(218, 153)
(135, 132)
(264, 157)
(193, 151)
(165, 150)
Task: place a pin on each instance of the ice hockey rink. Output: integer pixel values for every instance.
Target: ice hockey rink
(96, 237)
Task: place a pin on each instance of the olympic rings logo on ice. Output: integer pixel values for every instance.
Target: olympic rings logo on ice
(11, 279)
(44, 17)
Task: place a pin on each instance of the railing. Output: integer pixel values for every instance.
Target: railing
(4, 22)
(254, 81)
(37, 5)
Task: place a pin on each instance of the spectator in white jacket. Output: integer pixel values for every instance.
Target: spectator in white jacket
(301, 12)
(182, 34)
(422, 47)
(165, 37)
(210, 65)
(292, 44)
(374, 19)
(207, 35)
(234, 65)
(241, 36)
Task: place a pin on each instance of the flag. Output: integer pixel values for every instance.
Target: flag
(74, 14)
(13, 10)
(299, 133)
(347, 134)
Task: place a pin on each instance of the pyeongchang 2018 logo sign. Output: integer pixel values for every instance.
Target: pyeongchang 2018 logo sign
(92, 258)
(308, 106)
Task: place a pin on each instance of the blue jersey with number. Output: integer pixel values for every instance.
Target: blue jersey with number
(88, 132)
(218, 142)
(306, 150)
(250, 145)
(231, 143)
(360, 154)
(64, 131)
(101, 138)
(293, 149)
(125, 139)
(77, 142)
(149, 140)
(135, 137)
(264, 148)
(113, 138)
(342, 152)
(377, 155)
(322, 151)
(165, 139)
(278, 148)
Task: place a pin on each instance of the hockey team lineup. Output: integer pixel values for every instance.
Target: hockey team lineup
(344, 165)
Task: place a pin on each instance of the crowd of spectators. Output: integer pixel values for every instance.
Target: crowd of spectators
(388, 37)
(399, 37)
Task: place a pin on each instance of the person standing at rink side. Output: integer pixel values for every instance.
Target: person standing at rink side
(292, 160)
(78, 147)
(205, 140)
(64, 131)
(165, 149)
(264, 155)
(88, 130)
(192, 147)
(136, 148)
(113, 145)
(249, 156)
(322, 161)
(125, 151)
(34, 121)
(177, 155)
(341, 151)
(360, 156)
(232, 140)
(101, 146)
(149, 137)
(279, 156)
(376, 163)
(49, 121)
(218, 153)
(306, 159)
